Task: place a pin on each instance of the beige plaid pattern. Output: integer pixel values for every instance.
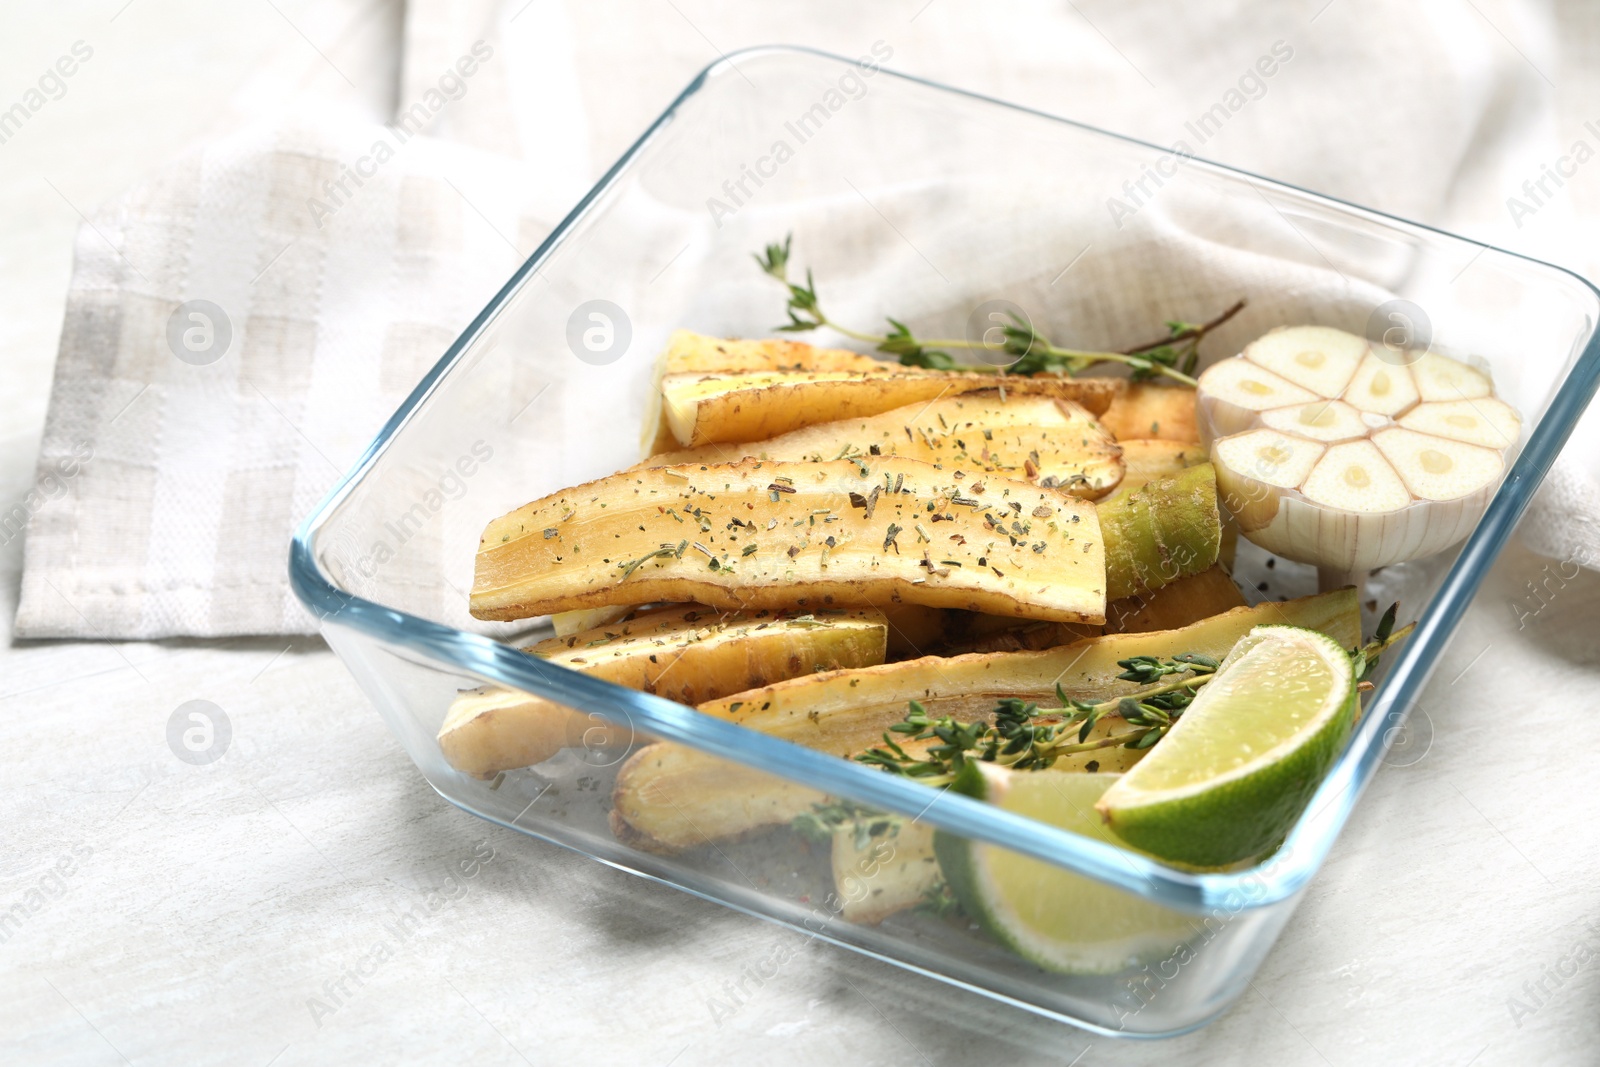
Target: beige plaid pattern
(187, 479)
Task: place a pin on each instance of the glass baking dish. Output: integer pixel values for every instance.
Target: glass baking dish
(920, 201)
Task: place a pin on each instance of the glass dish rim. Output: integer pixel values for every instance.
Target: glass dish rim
(1282, 876)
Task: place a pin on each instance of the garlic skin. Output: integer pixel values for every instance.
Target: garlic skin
(1364, 463)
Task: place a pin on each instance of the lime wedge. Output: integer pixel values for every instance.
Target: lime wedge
(1058, 920)
(1238, 769)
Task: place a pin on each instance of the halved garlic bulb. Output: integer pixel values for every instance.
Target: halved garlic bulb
(1327, 454)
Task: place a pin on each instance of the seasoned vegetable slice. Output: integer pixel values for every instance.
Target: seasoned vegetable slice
(807, 536)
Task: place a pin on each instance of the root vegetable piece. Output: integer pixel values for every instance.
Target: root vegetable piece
(967, 632)
(1234, 392)
(913, 628)
(1486, 422)
(693, 353)
(1039, 439)
(567, 623)
(668, 796)
(1164, 530)
(1320, 420)
(1317, 358)
(723, 408)
(687, 654)
(1185, 601)
(1153, 410)
(1251, 468)
(1381, 388)
(809, 536)
(875, 877)
(1439, 377)
(1434, 468)
(1147, 458)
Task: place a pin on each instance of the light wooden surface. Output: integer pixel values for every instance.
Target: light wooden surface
(209, 910)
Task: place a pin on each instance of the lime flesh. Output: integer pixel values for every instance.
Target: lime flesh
(1058, 920)
(1237, 770)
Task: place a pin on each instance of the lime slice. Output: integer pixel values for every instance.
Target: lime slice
(1237, 770)
(1061, 921)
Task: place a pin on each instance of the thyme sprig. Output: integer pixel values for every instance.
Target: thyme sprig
(1023, 737)
(1173, 356)
(824, 820)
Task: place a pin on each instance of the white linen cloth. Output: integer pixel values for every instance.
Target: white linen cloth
(341, 258)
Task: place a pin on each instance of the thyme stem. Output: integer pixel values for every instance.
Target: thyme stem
(1173, 356)
(1024, 737)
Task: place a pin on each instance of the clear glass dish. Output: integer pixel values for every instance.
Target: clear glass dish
(921, 201)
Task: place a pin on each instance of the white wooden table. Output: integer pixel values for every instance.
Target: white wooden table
(244, 912)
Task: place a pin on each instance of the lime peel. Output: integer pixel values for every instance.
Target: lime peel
(1060, 921)
(1237, 770)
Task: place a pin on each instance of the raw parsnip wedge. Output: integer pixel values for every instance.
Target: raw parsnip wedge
(913, 628)
(1335, 480)
(567, 623)
(1039, 439)
(875, 877)
(669, 796)
(687, 654)
(692, 353)
(1144, 458)
(704, 409)
(1159, 533)
(1153, 410)
(1178, 604)
(1162, 531)
(808, 536)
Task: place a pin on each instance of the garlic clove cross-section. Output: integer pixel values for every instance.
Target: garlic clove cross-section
(1381, 388)
(1436, 469)
(1320, 420)
(1486, 421)
(1254, 467)
(1353, 476)
(1315, 357)
(1233, 393)
(1329, 455)
(1442, 378)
